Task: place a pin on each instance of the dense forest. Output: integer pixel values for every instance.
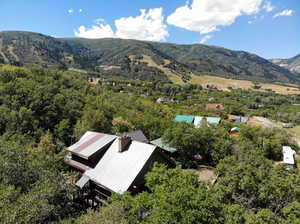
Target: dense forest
(43, 111)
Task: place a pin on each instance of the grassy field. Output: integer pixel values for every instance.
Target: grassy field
(227, 84)
(221, 83)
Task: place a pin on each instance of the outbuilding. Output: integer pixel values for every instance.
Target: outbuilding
(289, 156)
(235, 131)
(164, 146)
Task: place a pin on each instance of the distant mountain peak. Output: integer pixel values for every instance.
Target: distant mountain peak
(292, 64)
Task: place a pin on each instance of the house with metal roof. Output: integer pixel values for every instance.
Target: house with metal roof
(87, 152)
(198, 121)
(235, 131)
(122, 166)
(164, 146)
(185, 118)
(241, 120)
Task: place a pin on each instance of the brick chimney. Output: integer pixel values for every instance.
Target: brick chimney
(123, 142)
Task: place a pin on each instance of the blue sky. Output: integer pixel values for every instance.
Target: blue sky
(269, 28)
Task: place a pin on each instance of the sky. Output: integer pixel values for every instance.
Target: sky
(268, 28)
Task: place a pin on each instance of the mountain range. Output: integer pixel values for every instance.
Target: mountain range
(293, 64)
(143, 60)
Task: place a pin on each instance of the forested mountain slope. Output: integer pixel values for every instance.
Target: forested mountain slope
(124, 58)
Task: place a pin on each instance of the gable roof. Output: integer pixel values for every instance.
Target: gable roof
(210, 120)
(90, 143)
(238, 119)
(235, 129)
(136, 135)
(241, 119)
(158, 142)
(162, 100)
(116, 171)
(185, 118)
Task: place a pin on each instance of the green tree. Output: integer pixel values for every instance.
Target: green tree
(174, 196)
(211, 142)
(264, 216)
(121, 125)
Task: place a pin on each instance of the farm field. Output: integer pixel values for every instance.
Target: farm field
(227, 84)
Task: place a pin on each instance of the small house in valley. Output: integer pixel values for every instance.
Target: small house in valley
(289, 157)
(235, 131)
(162, 100)
(185, 118)
(238, 119)
(198, 121)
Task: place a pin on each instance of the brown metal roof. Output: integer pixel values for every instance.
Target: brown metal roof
(90, 143)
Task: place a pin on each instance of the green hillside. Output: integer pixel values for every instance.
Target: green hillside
(124, 58)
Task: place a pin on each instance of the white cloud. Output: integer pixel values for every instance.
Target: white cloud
(71, 11)
(287, 12)
(205, 38)
(80, 10)
(149, 25)
(268, 6)
(206, 16)
(97, 31)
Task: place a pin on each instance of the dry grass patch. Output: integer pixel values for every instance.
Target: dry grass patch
(205, 173)
(220, 83)
(227, 84)
(285, 90)
(171, 74)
